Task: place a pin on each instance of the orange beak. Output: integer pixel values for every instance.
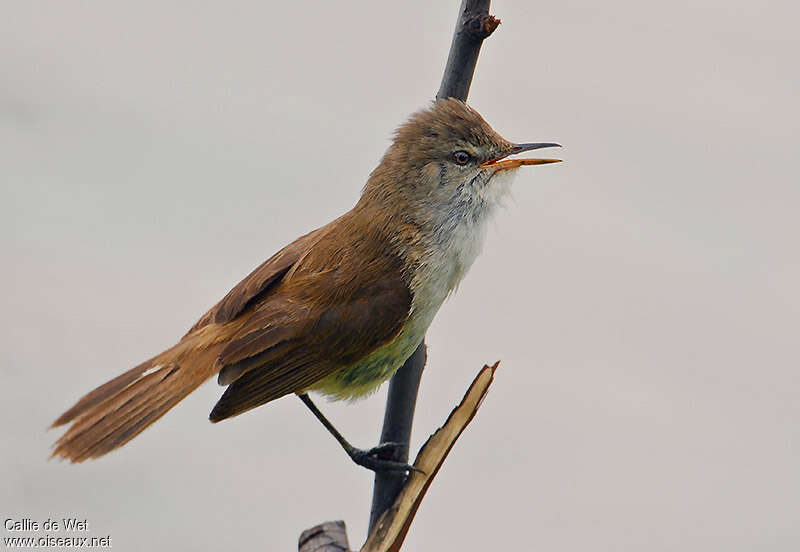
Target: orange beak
(501, 163)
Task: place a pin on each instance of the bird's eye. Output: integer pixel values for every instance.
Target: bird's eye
(461, 157)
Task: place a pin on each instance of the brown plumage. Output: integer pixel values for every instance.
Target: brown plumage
(117, 411)
(339, 309)
(314, 307)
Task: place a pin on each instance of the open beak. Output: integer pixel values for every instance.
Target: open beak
(501, 163)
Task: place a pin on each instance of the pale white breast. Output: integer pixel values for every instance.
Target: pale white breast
(458, 239)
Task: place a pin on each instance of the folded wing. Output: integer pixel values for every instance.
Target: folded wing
(343, 299)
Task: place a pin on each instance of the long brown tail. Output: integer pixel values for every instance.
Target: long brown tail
(120, 409)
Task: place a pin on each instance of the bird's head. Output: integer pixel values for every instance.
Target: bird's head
(446, 155)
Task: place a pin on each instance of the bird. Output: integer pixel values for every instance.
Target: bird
(341, 308)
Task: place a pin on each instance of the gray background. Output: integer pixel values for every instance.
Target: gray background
(643, 296)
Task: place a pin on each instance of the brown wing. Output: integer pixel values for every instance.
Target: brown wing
(260, 280)
(341, 301)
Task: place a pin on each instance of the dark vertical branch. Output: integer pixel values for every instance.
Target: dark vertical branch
(397, 422)
(473, 26)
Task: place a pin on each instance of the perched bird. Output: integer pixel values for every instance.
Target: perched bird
(338, 310)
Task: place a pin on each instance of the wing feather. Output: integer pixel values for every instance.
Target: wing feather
(337, 304)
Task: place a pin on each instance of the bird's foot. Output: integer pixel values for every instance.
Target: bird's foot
(379, 458)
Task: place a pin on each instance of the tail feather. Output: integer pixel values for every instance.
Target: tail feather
(108, 389)
(117, 411)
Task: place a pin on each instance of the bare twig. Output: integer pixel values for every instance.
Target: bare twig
(391, 529)
(474, 25)
(392, 526)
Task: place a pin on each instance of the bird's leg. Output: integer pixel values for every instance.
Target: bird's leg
(374, 459)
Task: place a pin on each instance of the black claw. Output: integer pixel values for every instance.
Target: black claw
(378, 459)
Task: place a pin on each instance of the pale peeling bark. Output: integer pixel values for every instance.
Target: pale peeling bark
(391, 529)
